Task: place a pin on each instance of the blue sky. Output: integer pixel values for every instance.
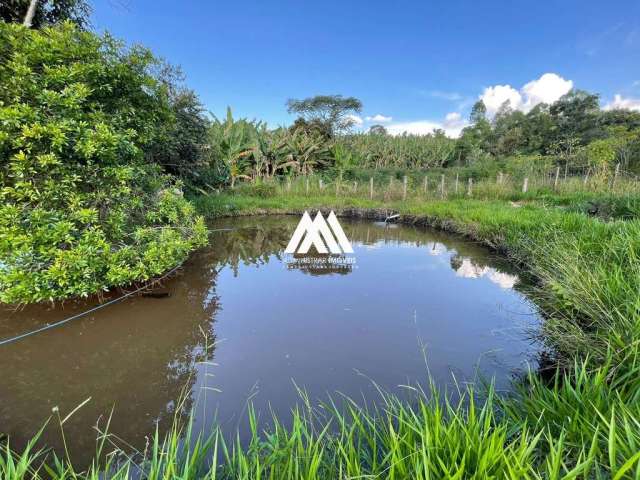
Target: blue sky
(421, 63)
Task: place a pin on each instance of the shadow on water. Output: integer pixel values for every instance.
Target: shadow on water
(270, 324)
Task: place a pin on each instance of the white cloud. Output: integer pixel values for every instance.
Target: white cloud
(453, 117)
(452, 125)
(548, 88)
(494, 97)
(355, 119)
(419, 127)
(378, 118)
(619, 102)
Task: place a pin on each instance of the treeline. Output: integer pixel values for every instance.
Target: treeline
(573, 129)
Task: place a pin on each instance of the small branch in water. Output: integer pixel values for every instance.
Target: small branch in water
(157, 294)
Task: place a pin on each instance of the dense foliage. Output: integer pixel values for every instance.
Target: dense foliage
(48, 12)
(573, 130)
(248, 150)
(81, 210)
(378, 150)
(574, 133)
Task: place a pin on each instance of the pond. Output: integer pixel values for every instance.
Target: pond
(246, 323)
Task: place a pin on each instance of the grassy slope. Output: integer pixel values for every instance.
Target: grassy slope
(585, 424)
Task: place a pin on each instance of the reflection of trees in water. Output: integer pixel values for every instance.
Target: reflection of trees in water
(248, 243)
(138, 357)
(253, 240)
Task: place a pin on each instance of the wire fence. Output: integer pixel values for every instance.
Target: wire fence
(559, 180)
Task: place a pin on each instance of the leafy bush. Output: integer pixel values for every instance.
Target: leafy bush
(80, 209)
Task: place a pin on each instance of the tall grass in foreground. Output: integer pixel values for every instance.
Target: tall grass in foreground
(578, 428)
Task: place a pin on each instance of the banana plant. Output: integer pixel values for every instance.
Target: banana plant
(271, 147)
(234, 144)
(305, 152)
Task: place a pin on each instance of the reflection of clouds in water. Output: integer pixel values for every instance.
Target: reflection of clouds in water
(437, 249)
(468, 270)
(500, 278)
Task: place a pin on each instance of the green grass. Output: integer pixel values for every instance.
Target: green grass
(584, 422)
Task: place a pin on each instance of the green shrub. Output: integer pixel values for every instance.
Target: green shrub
(80, 209)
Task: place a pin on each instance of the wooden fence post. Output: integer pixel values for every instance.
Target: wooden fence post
(555, 182)
(615, 176)
(470, 187)
(426, 184)
(371, 188)
(525, 185)
(456, 183)
(586, 177)
(355, 187)
(404, 187)
(288, 184)
(442, 186)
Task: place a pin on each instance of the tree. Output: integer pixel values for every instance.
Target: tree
(47, 12)
(312, 127)
(377, 130)
(575, 115)
(538, 129)
(475, 140)
(330, 110)
(601, 155)
(478, 112)
(180, 150)
(81, 209)
(627, 119)
(508, 137)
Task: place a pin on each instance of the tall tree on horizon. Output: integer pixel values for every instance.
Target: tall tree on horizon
(331, 110)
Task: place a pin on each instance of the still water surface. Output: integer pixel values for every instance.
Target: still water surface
(239, 326)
